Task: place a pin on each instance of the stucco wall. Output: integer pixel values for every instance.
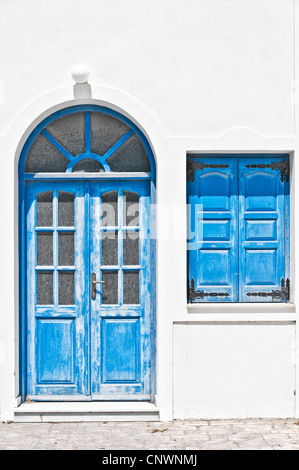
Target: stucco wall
(238, 370)
(198, 76)
(200, 67)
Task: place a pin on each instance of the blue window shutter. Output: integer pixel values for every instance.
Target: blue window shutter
(261, 229)
(213, 229)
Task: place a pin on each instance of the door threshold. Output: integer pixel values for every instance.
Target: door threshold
(45, 412)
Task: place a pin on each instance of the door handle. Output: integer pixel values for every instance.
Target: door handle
(94, 283)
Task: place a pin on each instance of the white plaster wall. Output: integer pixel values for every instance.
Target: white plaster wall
(234, 370)
(201, 67)
(204, 76)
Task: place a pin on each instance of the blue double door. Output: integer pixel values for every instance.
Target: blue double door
(88, 290)
(238, 241)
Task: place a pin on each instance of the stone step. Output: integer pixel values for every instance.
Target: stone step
(54, 412)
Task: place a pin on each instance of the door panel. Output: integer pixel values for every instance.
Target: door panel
(57, 294)
(121, 311)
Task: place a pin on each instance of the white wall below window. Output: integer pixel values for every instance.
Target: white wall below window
(234, 370)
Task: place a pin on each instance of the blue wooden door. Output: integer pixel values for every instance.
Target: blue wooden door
(121, 340)
(88, 341)
(213, 233)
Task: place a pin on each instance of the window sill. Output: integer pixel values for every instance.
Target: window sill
(241, 308)
(244, 313)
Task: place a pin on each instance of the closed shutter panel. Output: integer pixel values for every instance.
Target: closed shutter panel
(261, 229)
(213, 230)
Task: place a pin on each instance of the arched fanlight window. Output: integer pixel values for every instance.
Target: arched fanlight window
(86, 139)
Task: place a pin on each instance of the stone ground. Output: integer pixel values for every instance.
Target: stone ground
(251, 434)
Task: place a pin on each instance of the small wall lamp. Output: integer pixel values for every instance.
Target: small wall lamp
(80, 75)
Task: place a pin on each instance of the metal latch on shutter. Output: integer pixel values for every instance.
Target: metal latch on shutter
(192, 166)
(282, 294)
(281, 166)
(201, 294)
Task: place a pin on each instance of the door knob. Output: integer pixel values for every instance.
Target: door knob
(94, 283)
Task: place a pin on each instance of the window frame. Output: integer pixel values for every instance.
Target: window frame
(288, 268)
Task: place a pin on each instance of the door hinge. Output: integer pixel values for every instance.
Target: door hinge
(282, 294)
(282, 166)
(201, 294)
(192, 166)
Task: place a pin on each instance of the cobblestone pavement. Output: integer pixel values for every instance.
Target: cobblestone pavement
(180, 435)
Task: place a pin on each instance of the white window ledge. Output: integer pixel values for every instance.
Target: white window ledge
(241, 307)
(239, 312)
